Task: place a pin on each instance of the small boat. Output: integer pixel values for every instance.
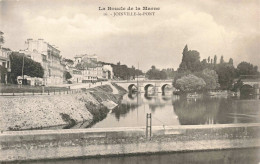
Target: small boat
(192, 95)
(217, 93)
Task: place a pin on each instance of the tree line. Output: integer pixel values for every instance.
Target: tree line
(208, 74)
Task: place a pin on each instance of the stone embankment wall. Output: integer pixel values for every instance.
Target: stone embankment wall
(74, 143)
(78, 110)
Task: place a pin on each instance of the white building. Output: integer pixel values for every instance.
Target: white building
(50, 59)
(92, 70)
(108, 72)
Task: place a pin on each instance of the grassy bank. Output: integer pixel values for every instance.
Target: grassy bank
(12, 88)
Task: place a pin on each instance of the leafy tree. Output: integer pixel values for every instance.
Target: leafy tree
(230, 61)
(226, 75)
(67, 75)
(208, 59)
(156, 74)
(190, 83)
(69, 61)
(210, 77)
(169, 72)
(222, 60)
(3, 72)
(31, 68)
(204, 64)
(245, 68)
(190, 61)
(1, 38)
(215, 59)
(183, 66)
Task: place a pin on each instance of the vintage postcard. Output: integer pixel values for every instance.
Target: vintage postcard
(130, 81)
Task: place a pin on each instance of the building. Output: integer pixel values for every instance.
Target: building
(5, 65)
(108, 72)
(50, 59)
(88, 65)
(92, 69)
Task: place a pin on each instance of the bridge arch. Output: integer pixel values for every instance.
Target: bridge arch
(147, 86)
(246, 90)
(164, 86)
(131, 87)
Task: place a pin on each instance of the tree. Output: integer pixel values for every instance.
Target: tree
(67, 75)
(1, 38)
(190, 61)
(222, 60)
(208, 59)
(215, 59)
(170, 73)
(190, 83)
(156, 74)
(230, 61)
(245, 68)
(183, 67)
(226, 75)
(210, 77)
(31, 68)
(69, 61)
(3, 72)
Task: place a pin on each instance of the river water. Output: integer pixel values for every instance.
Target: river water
(235, 156)
(175, 110)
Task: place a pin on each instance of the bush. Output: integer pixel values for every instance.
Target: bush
(190, 83)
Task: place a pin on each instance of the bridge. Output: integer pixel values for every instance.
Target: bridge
(158, 86)
(250, 82)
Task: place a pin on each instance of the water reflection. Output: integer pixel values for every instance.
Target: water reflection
(170, 109)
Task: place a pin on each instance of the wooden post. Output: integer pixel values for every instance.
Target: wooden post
(148, 126)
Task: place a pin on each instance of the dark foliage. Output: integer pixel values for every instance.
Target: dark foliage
(31, 68)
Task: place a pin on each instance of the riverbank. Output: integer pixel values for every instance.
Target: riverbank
(78, 110)
(77, 143)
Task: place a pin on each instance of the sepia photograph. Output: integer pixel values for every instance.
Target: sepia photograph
(130, 81)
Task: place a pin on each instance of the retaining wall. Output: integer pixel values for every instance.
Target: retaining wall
(73, 143)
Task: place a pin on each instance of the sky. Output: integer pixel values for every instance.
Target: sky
(212, 27)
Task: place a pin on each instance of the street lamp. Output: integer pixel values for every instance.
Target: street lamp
(22, 70)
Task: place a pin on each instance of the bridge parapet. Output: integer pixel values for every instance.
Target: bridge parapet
(158, 85)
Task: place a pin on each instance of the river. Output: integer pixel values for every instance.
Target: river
(175, 110)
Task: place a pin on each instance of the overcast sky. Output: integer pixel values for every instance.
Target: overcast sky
(228, 28)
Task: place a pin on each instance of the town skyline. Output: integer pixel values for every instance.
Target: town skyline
(79, 28)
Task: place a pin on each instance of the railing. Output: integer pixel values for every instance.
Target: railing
(46, 92)
(142, 81)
